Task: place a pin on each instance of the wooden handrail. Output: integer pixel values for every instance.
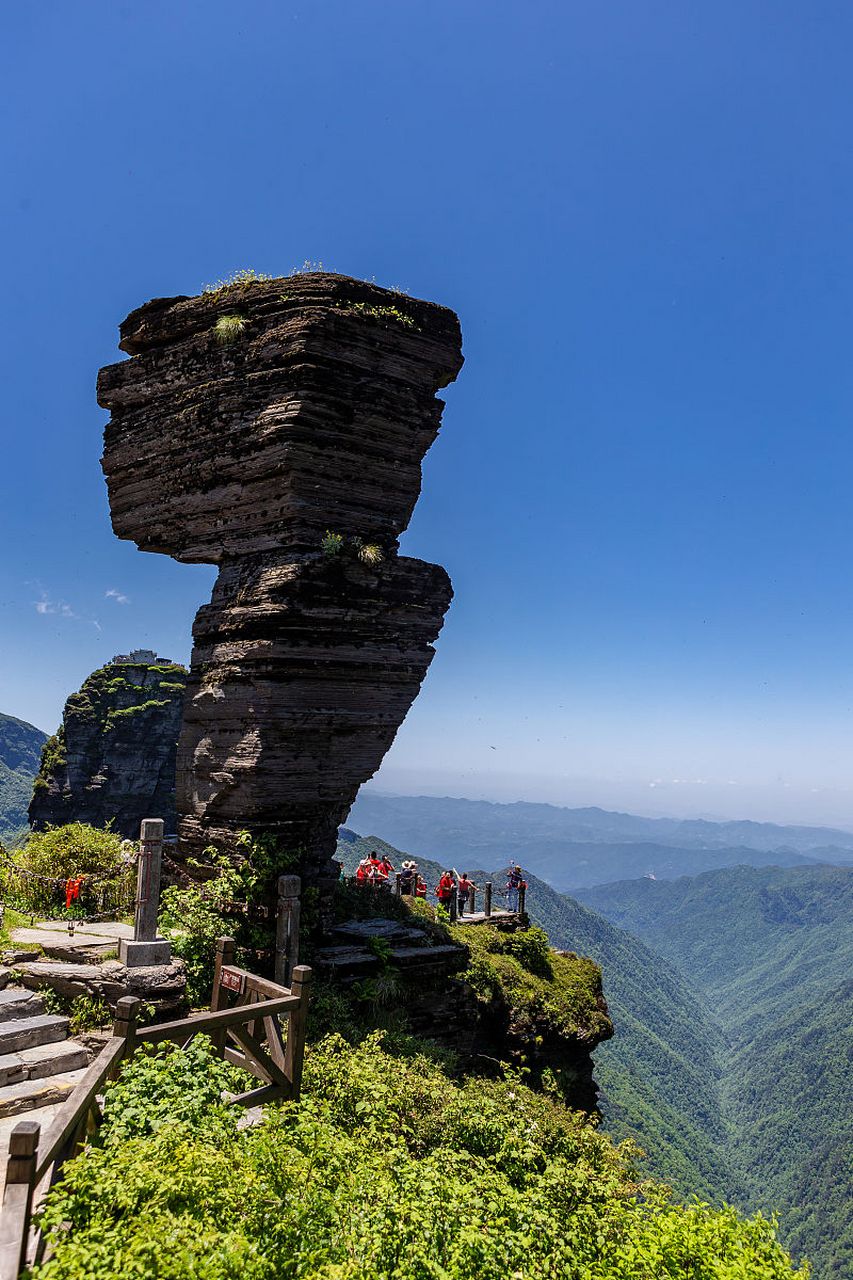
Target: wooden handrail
(70, 1111)
(278, 1066)
(198, 1022)
(18, 1198)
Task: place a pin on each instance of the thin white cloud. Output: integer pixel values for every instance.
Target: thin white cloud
(58, 607)
(118, 596)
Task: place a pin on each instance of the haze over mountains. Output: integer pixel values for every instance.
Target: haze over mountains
(576, 848)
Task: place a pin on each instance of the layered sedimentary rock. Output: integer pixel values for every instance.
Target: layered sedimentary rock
(113, 757)
(277, 430)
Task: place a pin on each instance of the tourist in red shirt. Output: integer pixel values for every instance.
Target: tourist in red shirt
(444, 889)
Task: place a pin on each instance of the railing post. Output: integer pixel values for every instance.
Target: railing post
(127, 1012)
(225, 949)
(454, 904)
(295, 1050)
(522, 894)
(397, 889)
(18, 1198)
(487, 900)
(287, 928)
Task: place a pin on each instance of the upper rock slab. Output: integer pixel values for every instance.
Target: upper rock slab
(315, 414)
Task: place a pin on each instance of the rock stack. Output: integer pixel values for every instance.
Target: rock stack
(113, 758)
(277, 429)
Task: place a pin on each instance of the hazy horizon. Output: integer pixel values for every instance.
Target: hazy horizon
(672, 800)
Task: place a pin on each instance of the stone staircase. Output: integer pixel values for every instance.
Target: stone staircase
(39, 1063)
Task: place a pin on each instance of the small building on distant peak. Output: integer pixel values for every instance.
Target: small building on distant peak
(141, 657)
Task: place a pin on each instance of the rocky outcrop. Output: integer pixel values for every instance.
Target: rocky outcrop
(422, 973)
(113, 757)
(277, 429)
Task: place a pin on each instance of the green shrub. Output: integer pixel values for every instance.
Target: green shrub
(89, 1013)
(191, 917)
(561, 993)
(385, 1170)
(332, 544)
(229, 328)
(77, 849)
(166, 1085)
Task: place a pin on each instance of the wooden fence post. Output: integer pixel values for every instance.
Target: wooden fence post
(127, 1012)
(295, 1049)
(225, 949)
(487, 900)
(397, 888)
(454, 904)
(287, 928)
(522, 895)
(18, 1198)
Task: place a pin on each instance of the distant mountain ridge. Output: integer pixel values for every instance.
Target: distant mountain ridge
(20, 753)
(576, 848)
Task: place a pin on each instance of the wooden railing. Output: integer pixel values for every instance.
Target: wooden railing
(245, 1010)
(471, 909)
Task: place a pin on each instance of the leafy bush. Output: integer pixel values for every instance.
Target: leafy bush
(332, 544)
(165, 1085)
(59, 853)
(191, 917)
(531, 949)
(89, 1013)
(561, 993)
(381, 313)
(386, 1169)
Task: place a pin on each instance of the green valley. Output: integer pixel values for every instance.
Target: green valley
(769, 952)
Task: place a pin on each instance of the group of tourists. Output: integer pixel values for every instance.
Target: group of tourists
(378, 872)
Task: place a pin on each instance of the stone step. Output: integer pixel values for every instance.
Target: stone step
(45, 1117)
(16, 1003)
(43, 1060)
(25, 1033)
(354, 961)
(29, 1095)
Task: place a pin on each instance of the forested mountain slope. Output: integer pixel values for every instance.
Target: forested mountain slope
(771, 952)
(581, 847)
(659, 1075)
(20, 752)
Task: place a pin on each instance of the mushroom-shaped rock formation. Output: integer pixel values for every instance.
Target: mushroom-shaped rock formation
(277, 428)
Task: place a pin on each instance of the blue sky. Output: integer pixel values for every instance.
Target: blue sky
(642, 487)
